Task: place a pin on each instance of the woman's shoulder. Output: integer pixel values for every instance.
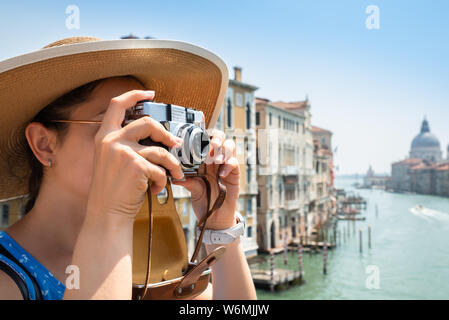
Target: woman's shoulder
(8, 288)
(15, 283)
(31, 271)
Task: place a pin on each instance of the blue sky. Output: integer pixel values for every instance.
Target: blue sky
(371, 88)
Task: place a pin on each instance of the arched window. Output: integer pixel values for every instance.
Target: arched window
(249, 231)
(248, 116)
(229, 113)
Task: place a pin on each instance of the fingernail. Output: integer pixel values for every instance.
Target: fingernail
(219, 158)
(177, 180)
(216, 142)
(222, 172)
(178, 141)
(150, 91)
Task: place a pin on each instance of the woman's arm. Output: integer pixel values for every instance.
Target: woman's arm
(103, 256)
(231, 276)
(8, 288)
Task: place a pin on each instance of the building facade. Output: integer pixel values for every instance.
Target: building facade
(306, 166)
(322, 202)
(400, 178)
(442, 180)
(425, 172)
(280, 202)
(238, 120)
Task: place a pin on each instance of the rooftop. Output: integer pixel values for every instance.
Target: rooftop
(242, 84)
(318, 129)
(294, 105)
(268, 103)
(409, 161)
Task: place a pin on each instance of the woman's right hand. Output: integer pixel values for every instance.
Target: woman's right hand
(123, 168)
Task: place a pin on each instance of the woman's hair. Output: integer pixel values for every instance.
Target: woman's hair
(61, 108)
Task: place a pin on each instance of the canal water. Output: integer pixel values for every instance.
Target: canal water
(408, 259)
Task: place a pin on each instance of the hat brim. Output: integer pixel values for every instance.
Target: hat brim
(180, 73)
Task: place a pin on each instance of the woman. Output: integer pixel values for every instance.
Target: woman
(88, 181)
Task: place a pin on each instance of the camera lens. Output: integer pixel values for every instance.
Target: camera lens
(195, 145)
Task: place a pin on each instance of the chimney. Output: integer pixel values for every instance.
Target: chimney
(238, 73)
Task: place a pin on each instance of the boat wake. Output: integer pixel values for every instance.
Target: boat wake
(429, 214)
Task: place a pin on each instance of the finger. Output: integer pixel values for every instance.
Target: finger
(230, 167)
(228, 149)
(115, 113)
(157, 176)
(216, 142)
(148, 127)
(215, 150)
(194, 186)
(161, 157)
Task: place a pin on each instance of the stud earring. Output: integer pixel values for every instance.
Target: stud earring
(49, 162)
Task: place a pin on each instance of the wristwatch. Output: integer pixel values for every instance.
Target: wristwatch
(225, 236)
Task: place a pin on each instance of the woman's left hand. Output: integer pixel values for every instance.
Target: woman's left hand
(221, 152)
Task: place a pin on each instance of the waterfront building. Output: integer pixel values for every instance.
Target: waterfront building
(280, 161)
(425, 171)
(306, 166)
(442, 179)
(400, 178)
(322, 202)
(422, 177)
(238, 120)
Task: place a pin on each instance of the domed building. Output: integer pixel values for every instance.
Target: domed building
(425, 145)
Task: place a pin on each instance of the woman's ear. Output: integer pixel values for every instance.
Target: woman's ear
(42, 142)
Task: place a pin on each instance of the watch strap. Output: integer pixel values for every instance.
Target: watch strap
(225, 236)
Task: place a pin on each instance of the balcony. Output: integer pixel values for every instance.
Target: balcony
(289, 170)
(292, 204)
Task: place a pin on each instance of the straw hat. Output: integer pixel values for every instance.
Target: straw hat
(179, 72)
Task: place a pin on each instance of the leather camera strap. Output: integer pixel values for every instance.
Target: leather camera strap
(193, 273)
(217, 204)
(150, 234)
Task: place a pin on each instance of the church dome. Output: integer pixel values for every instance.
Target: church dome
(425, 139)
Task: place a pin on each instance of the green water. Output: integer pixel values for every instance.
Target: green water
(409, 249)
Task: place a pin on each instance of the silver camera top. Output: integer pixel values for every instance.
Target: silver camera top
(185, 123)
(170, 112)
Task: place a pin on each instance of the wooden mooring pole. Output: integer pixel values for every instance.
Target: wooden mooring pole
(325, 258)
(285, 248)
(348, 228)
(360, 240)
(300, 261)
(369, 237)
(271, 271)
(335, 235)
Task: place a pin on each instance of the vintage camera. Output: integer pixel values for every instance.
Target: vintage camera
(185, 123)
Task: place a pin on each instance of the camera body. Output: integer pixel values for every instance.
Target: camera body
(185, 123)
